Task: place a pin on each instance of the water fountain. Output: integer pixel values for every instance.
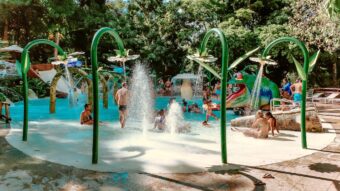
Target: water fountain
(183, 85)
(256, 91)
(255, 95)
(140, 106)
(122, 60)
(70, 83)
(174, 119)
(69, 80)
(198, 88)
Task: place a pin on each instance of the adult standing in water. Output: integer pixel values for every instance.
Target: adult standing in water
(297, 91)
(122, 100)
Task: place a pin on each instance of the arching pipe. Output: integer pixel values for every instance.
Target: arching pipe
(304, 78)
(26, 64)
(94, 60)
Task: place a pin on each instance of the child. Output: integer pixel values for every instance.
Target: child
(160, 120)
(208, 106)
(272, 122)
(185, 104)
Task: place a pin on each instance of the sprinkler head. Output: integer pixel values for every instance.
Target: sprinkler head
(59, 62)
(263, 61)
(76, 54)
(197, 57)
(122, 59)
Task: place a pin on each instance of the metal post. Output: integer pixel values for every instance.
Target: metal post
(304, 81)
(94, 64)
(26, 64)
(225, 53)
(25, 91)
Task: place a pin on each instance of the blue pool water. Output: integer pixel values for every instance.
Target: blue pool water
(39, 110)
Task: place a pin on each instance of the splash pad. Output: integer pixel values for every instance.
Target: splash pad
(59, 138)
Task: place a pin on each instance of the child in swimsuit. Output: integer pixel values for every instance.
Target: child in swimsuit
(272, 122)
(85, 117)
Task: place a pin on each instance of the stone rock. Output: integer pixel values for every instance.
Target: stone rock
(286, 120)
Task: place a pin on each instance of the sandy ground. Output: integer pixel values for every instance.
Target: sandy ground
(127, 150)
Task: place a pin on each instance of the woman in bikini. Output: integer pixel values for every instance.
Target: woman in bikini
(261, 125)
(272, 122)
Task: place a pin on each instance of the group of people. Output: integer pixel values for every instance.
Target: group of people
(121, 97)
(263, 124)
(292, 91)
(161, 118)
(214, 93)
(193, 108)
(164, 88)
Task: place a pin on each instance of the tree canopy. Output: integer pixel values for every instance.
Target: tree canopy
(164, 32)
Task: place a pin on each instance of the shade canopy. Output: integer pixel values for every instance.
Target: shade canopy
(12, 48)
(185, 76)
(122, 59)
(262, 60)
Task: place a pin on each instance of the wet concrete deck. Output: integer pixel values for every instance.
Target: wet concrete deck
(318, 171)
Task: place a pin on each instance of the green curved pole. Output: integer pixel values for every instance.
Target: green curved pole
(94, 61)
(26, 64)
(225, 53)
(304, 81)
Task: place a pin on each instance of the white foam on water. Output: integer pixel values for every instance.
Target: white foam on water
(174, 118)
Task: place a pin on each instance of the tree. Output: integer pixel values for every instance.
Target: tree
(312, 24)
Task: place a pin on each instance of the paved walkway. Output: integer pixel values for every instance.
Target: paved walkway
(317, 172)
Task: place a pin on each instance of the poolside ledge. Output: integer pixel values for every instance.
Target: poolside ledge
(286, 120)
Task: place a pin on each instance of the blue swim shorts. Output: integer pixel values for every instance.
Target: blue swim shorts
(297, 97)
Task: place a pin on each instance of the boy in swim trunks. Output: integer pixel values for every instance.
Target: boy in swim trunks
(122, 100)
(85, 117)
(297, 91)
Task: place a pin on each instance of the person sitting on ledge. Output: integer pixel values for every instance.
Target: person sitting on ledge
(272, 122)
(85, 117)
(262, 127)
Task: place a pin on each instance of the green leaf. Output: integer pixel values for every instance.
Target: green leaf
(209, 68)
(312, 61)
(242, 58)
(299, 69)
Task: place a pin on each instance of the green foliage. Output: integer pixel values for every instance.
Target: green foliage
(2, 97)
(164, 32)
(41, 88)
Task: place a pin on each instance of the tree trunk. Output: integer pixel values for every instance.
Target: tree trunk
(335, 72)
(105, 92)
(5, 35)
(53, 89)
(57, 40)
